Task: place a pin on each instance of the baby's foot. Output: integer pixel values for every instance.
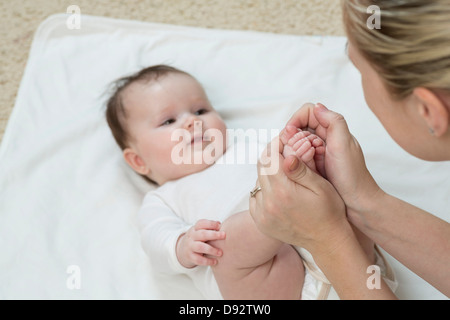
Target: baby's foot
(307, 147)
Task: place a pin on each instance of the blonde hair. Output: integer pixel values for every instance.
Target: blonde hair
(412, 48)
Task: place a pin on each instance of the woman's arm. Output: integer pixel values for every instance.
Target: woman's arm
(303, 209)
(414, 237)
(347, 269)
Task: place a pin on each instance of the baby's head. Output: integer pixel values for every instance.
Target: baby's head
(149, 109)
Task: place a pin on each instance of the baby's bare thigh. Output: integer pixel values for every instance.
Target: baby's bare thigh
(255, 266)
(281, 278)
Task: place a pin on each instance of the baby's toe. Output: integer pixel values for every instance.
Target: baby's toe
(301, 146)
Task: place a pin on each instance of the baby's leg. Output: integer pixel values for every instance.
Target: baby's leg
(254, 266)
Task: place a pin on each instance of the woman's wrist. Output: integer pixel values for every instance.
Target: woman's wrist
(332, 240)
(363, 212)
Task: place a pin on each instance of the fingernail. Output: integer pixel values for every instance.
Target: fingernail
(294, 164)
(321, 107)
(292, 129)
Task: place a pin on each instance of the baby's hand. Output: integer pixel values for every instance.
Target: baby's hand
(307, 147)
(192, 246)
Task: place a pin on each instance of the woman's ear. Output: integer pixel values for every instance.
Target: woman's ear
(433, 110)
(135, 162)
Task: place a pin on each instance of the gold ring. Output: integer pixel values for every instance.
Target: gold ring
(255, 191)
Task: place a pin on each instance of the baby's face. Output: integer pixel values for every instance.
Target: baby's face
(156, 114)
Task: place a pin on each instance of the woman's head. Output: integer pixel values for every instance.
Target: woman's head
(405, 67)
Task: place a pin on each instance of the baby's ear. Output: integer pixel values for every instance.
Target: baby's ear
(135, 161)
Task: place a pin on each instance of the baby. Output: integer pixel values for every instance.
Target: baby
(180, 220)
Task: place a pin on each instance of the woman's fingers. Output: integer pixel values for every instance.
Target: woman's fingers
(304, 118)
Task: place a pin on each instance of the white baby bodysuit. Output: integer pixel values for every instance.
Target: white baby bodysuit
(215, 193)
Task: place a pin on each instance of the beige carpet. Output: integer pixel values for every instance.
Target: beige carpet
(20, 19)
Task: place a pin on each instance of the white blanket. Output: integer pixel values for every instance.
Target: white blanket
(68, 202)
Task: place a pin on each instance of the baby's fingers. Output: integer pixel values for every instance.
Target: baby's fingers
(207, 249)
(201, 260)
(208, 225)
(208, 235)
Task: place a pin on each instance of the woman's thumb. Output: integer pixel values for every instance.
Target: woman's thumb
(331, 121)
(298, 171)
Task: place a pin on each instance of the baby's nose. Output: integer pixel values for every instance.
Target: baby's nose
(191, 122)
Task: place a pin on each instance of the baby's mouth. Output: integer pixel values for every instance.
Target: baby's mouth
(198, 139)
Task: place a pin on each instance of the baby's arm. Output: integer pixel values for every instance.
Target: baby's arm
(192, 248)
(163, 233)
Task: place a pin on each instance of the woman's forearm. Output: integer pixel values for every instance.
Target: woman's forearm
(346, 267)
(414, 237)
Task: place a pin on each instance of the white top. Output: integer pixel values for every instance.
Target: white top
(215, 193)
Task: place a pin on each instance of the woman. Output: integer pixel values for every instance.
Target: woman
(405, 70)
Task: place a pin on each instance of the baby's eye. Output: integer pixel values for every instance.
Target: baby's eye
(200, 112)
(168, 122)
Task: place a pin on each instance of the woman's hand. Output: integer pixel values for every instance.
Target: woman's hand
(296, 205)
(192, 248)
(301, 207)
(344, 161)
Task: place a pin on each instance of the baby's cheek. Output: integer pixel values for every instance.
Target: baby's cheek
(163, 156)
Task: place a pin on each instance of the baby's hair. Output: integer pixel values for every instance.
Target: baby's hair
(116, 113)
